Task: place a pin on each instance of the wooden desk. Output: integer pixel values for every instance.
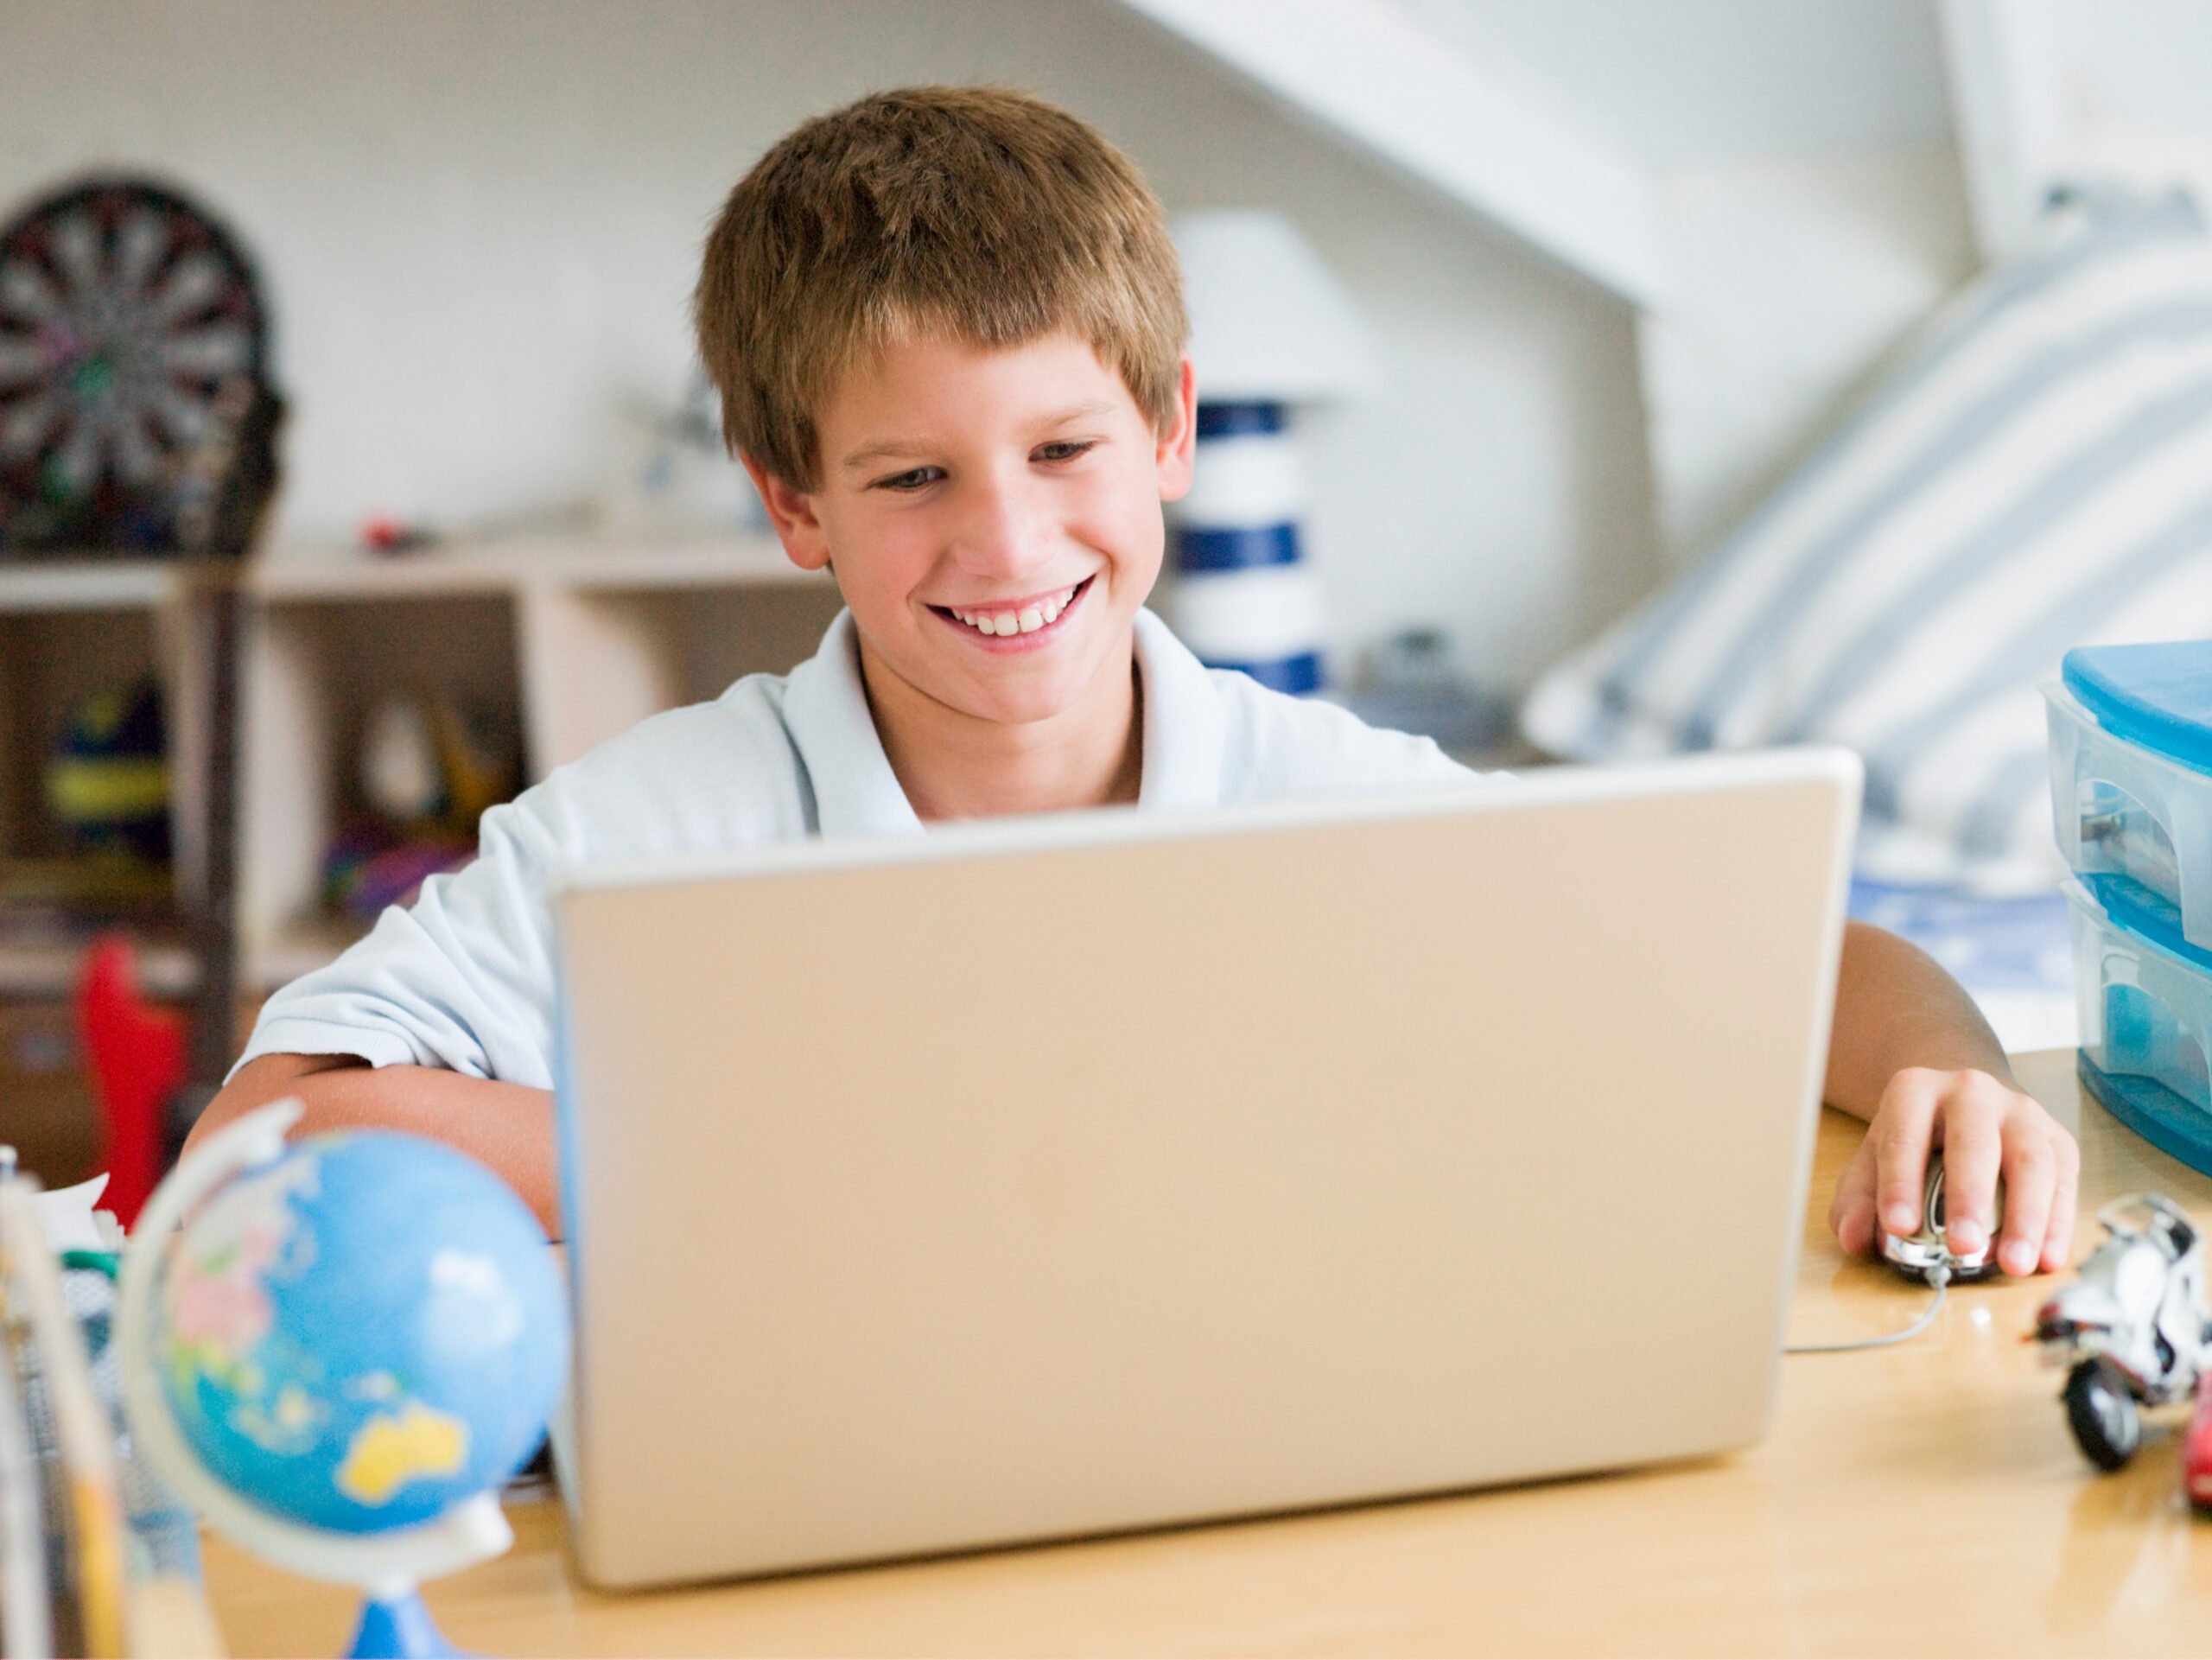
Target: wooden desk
(1924, 1498)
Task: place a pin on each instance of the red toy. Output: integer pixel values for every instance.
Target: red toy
(136, 1052)
(2196, 1450)
(381, 533)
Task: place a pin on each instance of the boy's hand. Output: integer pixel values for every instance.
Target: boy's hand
(1984, 1126)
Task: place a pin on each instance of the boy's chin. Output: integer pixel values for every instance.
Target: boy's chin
(1025, 705)
(1023, 692)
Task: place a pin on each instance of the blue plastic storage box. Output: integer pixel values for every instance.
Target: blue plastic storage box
(2146, 1029)
(2131, 783)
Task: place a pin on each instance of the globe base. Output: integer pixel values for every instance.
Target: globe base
(399, 1628)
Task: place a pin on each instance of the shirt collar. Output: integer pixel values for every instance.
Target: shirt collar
(856, 793)
(826, 712)
(1184, 737)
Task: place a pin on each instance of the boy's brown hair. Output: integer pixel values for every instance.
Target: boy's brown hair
(972, 210)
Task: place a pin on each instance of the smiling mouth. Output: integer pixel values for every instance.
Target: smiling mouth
(1030, 617)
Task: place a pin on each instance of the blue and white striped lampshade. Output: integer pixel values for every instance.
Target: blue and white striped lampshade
(1244, 596)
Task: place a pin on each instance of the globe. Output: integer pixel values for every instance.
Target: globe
(360, 1334)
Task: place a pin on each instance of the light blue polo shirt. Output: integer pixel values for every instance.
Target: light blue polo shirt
(464, 978)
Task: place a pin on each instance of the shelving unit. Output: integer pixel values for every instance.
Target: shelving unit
(65, 631)
(557, 642)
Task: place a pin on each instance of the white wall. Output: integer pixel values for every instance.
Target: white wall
(2136, 74)
(1687, 83)
(1796, 276)
(1810, 201)
(2143, 64)
(478, 223)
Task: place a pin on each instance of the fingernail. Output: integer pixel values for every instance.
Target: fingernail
(1901, 1218)
(2019, 1257)
(1967, 1236)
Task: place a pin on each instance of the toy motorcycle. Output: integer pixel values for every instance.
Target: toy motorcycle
(2133, 1330)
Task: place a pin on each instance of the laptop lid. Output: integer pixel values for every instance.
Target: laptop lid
(1048, 1177)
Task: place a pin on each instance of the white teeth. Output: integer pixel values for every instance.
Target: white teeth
(1027, 620)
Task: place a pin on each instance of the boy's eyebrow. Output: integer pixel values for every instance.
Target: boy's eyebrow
(890, 449)
(1077, 412)
(901, 448)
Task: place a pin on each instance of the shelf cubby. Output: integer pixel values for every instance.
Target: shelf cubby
(555, 642)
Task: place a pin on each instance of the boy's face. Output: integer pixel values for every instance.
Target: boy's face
(992, 518)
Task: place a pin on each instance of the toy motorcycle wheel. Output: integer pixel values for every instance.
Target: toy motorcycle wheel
(2102, 1414)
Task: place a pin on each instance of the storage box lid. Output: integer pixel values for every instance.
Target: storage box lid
(2159, 697)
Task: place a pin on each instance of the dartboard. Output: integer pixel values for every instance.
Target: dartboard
(127, 320)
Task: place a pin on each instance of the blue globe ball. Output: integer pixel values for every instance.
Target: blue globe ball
(362, 1332)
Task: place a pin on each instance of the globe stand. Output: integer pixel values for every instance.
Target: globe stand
(386, 1566)
(398, 1630)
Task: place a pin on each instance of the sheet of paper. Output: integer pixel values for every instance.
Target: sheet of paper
(66, 1216)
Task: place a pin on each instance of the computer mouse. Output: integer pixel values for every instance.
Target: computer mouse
(1918, 1255)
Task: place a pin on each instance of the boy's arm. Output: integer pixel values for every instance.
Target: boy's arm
(508, 1127)
(1912, 1055)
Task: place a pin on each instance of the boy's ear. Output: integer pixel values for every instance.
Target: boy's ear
(791, 510)
(1178, 439)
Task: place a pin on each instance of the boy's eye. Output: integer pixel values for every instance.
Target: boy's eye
(914, 478)
(1064, 449)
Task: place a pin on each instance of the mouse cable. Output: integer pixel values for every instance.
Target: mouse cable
(1939, 1277)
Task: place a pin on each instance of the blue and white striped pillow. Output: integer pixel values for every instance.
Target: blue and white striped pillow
(2034, 474)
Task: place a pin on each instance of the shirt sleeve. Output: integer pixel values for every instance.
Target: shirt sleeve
(464, 979)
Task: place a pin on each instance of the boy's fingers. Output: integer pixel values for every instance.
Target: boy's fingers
(1851, 1212)
(2058, 1233)
(2030, 1190)
(1900, 1135)
(1973, 1149)
(1985, 1126)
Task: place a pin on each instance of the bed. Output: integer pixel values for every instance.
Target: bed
(2032, 472)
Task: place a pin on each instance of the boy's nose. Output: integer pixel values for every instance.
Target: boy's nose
(999, 534)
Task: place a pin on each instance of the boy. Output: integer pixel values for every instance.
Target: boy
(947, 327)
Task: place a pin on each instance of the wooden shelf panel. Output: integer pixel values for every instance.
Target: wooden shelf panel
(599, 563)
(97, 584)
(47, 970)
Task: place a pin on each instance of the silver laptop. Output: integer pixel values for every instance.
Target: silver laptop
(1053, 1177)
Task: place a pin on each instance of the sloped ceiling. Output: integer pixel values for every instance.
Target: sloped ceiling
(1473, 126)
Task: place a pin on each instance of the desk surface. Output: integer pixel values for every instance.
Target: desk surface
(1925, 1498)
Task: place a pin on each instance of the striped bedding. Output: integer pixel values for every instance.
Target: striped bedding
(2013, 954)
(2035, 473)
